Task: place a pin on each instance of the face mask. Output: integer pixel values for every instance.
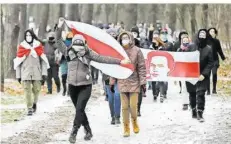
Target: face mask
(68, 42)
(163, 38)
(185, 44)
(80, 50)
(125, 42)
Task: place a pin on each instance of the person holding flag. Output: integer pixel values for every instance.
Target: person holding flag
(79, 56)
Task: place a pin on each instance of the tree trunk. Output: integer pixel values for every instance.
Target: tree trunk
(193, 22)
(23, 21)
(130, 16)
(2, 58)
(172, 17)
(61, 10)
(181, 13)
(205, 16)
(107, 12)
(43, 20)
(71, 12)
(87, 13)
(13, 37)
(116, 13)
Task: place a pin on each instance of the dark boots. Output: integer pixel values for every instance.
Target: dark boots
(185, 107)
(30, 112)
(200, 116)
(88, 133)
(34, 107)
(72, 138)
(194, 113)
(113, 120)
(138, 114)
(117, 120)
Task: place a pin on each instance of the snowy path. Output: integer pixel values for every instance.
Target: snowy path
(164, 123)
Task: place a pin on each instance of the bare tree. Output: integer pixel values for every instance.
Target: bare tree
(130, 15)
(108, 9)
(43, 20)
(181, 15)
(71, 12)
(2, 58)
(87, 13)
(23, 21)
(192, 10)
(205, 15)
(115, 13)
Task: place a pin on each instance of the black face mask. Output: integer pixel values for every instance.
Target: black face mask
(202, 42)
(51, 39)
(154, 45)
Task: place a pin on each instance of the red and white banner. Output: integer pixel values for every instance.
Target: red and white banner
(161, 65)
(102, 43)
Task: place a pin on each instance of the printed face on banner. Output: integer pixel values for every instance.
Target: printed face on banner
(159, 67)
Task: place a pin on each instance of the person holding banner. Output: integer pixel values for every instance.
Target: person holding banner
(197, 92)
(130, 88)
(79, 76)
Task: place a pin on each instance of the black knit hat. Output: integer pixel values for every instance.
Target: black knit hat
(136, 30)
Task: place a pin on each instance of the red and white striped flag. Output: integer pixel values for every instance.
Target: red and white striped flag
(161, 65)
(103, 44)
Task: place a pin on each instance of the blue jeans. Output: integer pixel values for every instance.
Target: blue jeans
(114, 101)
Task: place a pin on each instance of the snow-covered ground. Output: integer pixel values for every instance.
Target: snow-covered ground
(161, 123)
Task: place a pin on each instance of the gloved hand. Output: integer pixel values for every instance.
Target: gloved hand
(112, 89)
(19, 80)
(125, 61)
(143, 87)
(43, 80)
(61, 22)
(201, 78)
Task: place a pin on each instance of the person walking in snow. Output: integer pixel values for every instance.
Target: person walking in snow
(31, 66)
(80, 85)
(130, 88)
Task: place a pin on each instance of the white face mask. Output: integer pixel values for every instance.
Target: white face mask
(125, 42)
(80, 50)
(28, 37)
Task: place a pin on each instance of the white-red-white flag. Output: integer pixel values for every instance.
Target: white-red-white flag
(103, 44)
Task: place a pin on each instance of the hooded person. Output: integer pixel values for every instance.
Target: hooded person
(79, 77)
(53, 71)
(197, 91)
(164, 38)
(155, 40)
(130, 88)
(135, 33)
(31, 66)
(217, 50)
(177, 44)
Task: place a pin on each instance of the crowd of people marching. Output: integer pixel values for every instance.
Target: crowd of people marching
(38, 61)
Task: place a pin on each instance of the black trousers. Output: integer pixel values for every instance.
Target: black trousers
(64, 82)
(94, 74)
(80, 96)
(214, 76)
(197, 100)
(53, 72)
(155, 89)
(140, 97)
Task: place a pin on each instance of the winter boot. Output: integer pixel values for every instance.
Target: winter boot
(72, 138)
(64, 93)
(185, 107)
(161, 99)
(155, 98)
(58, 88)
(194, 113)
(30, 112)
(136, 128)
(113, 121)
(214, 91)
(117, 120)
(208, 92)
(126, 129)
(34, 107)
(165, 96)
(200, 116)
(138, 114)
(49, 92)
(88, 132)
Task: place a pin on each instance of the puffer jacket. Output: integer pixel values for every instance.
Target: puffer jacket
(138, 78)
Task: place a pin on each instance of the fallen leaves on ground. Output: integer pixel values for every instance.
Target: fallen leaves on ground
(8, 116)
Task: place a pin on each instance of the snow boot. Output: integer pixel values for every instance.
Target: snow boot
(214, 91)
(30, 112)
(34, 107)
(49, 92)
(200, 116)
(208, 92)
(88, 132)
(185, 107)
(117, 120)
(161, 99)
(126, 129)
(135, 125)
(155, 98)
(138, 114)
(113, 121)
(194, 113)
(72, 138)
